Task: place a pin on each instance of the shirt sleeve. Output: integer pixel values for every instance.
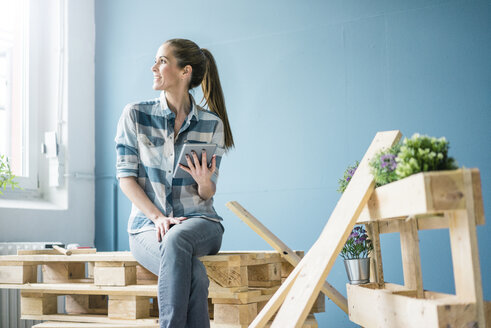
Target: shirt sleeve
(218, 139)
(127, 156)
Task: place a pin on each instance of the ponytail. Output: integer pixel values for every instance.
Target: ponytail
(213, 94)
(205, 72)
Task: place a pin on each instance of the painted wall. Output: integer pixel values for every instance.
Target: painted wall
(307, 86)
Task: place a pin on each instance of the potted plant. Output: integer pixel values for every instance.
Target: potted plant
(355, 254)
(420, 153)
(6, 175)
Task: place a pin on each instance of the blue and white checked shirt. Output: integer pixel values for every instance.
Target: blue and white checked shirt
(146, 149)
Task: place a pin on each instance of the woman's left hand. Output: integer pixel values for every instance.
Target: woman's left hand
(200, 172)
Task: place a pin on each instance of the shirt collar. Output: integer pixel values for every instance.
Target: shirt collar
(193, 113)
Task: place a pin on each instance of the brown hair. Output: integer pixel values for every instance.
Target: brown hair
(204, 72)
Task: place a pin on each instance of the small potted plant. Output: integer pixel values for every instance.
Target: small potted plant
(6, 175)
(355, 254)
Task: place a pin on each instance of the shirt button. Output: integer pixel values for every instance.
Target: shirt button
(169, 171)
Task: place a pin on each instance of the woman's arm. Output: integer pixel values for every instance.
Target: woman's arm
(137, 196)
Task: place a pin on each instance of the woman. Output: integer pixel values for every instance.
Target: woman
(172, 221)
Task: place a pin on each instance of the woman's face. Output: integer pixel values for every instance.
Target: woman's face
(166, 74)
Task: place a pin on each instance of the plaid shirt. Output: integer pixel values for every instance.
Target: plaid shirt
(146, 149)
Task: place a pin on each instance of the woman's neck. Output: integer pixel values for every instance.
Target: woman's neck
(178, 102)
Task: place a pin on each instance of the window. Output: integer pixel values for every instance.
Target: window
(14, 90)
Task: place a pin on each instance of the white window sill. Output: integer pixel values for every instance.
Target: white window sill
(27, 199)
(30, 204)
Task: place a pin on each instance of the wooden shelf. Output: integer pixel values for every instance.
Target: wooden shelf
(423, 194)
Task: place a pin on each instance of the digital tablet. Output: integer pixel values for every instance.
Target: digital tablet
(179, 173)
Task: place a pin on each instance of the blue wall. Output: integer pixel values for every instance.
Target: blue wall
(307, 86)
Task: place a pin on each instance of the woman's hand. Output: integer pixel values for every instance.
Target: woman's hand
(163, 223)
(200, 172)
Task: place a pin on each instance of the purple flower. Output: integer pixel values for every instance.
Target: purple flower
(388, 161)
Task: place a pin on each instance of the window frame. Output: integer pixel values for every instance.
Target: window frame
(34, 93)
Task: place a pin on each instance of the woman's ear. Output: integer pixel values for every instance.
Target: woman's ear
(187, 71)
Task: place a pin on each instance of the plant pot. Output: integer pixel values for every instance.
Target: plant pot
(358, 270)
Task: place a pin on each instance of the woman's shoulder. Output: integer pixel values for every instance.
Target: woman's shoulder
(134, 109)
(142, 105)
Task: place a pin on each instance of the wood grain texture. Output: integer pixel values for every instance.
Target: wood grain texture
(324, 252)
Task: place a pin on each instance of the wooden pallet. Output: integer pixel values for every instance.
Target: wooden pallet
(426, 201)
(309, 323)
(112, 288)
(432, 200)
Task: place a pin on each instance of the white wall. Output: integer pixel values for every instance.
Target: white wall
(65, 213)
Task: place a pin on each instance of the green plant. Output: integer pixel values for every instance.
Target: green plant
(6, 175)
(422, 153)
(358, 246)
(347, 176)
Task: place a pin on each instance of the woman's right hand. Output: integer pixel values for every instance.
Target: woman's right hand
(163, 223)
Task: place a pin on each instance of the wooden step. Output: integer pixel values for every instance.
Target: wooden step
(227, 269)
(88, 318)
(311, 322)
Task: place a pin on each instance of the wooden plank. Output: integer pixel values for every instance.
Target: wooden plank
(319, 304)
(54, 252)
(145, 277)
(411, 260)
(324, 252)
(264, 275)
(241, 314)
(284, 250)
(228, 276)
(477, 197)
(90, 270)
(97, 257)
(18, 274)
(83, 304)
(465, 256)
(242, 258)
(38, 303)
(85, 289)
(424, 222)
(55, 324)
(63, 272)
(154, 307)
(380, 308)
(86, 318)
(114, 276)
(421, 193)
(376, 267)
(310, 322)
(128, 307)
(277, 299)
(287, 267)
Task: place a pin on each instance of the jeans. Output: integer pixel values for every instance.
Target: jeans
(182, 279)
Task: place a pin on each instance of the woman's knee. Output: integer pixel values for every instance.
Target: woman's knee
(176, 241)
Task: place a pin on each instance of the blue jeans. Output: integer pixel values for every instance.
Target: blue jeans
(182, 279)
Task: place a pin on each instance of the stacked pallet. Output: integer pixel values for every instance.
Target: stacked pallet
(111, 289)
(242, 283)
